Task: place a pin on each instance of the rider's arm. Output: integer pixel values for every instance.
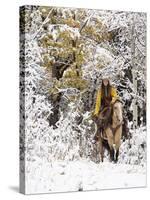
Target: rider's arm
(98, 103)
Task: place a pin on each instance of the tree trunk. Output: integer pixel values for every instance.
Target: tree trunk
(134, 76)
(54, 117)
(57, 72)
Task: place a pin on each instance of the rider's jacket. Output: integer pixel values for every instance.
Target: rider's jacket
(102, 99)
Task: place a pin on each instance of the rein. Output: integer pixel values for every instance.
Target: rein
(110, 126)
(101, 114)
(116, 128)
(112, 129)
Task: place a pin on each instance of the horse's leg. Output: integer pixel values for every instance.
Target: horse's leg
(117, 140)
(112, 153)
(101, 149)
(117, 153)
(110, 143)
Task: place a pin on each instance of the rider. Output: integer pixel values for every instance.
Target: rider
(106, 96)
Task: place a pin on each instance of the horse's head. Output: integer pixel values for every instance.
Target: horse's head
(117, 115)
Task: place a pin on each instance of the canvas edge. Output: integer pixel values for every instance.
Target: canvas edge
(22, 185)
(21, 107)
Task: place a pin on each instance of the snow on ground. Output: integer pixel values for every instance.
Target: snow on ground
(63, 176)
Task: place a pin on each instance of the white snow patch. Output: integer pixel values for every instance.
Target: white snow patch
(62, 176)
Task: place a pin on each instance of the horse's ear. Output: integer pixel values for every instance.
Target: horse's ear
(119, 100)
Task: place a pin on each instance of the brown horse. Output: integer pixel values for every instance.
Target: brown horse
(111, 135)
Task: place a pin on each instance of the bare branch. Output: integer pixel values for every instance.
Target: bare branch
(139, 39)
(85, 23)
(44, 22)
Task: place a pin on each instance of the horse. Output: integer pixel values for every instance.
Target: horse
(110, 137)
